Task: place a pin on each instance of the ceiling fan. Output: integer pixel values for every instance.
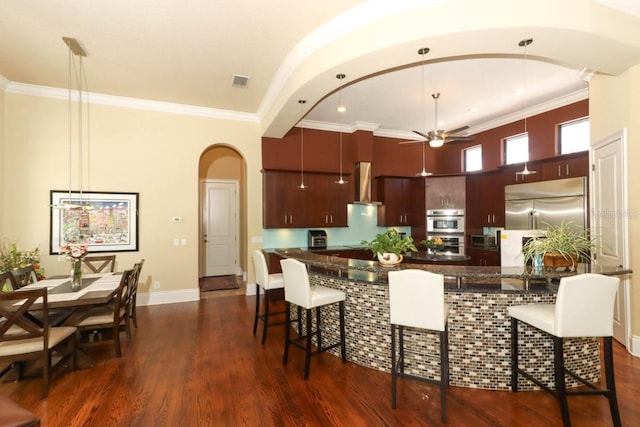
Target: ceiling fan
(438, 137)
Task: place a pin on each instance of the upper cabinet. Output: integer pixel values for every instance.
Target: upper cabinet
(568, 166)
(322, 204)
(402, 201)
(447, 192)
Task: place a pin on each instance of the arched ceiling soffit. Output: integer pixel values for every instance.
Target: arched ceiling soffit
(564, 35)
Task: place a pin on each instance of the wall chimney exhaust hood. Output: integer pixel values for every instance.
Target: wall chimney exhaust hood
(363, 184)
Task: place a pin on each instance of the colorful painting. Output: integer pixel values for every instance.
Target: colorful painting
(105, 222)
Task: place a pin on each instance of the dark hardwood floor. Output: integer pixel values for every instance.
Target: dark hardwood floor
(197, 364)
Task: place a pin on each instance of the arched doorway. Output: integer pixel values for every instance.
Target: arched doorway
(222, 178)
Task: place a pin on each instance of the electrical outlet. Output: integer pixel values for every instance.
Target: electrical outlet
(156, 285)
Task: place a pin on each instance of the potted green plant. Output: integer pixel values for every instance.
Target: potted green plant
(561, 245)
(390, 246)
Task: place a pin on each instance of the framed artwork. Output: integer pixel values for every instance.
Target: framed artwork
(104, 222)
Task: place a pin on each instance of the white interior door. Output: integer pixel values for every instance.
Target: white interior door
(609, 219)
(220, 228)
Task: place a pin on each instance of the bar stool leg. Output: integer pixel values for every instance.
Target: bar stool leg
(611, 384)
(255, 318)
(319, 328)
(401, 358)
(343, 342)
(307, 356)
(267, 302)
(561, 387)
(394, 374)
(287, 331)
(444, 372)
(514, 354)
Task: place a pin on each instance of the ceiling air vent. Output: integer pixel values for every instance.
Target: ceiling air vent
(240, 81)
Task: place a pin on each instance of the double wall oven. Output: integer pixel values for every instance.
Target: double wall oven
(448, 225)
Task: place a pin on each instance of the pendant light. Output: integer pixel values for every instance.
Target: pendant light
(341, 109)
(423, 51)
(302, 186)
(77, 77)
(437, 140)
(524, 43)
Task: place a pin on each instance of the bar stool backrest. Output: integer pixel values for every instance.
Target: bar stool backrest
(416, 298)
(584, 306)
(260, 267)
(297, 289)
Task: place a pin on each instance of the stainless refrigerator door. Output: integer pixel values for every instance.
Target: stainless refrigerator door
(518, 214)
(555, 210)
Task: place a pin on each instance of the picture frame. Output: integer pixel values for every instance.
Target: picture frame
(103, 221)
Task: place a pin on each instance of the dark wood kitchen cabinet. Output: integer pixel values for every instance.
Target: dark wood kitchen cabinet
(283, 202)
(327, 201)
(322, 204)
(403, 201)
(567, 166)
(445, 192)
(482, 257)
(484, 201)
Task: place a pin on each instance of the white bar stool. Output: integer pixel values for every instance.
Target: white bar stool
(416, 300)
(298, 291)
(268, 282)
(584, 308)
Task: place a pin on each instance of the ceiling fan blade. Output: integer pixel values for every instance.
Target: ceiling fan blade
(460, 129)
(421, 134)
(458, 138)
(409, 142)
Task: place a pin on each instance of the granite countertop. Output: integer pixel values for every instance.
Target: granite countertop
(460, 276)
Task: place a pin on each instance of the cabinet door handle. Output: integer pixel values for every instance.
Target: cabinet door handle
(285, 220)
(559, 172)
(330, 219)
(290, 219)
(567, 169)
(493, 218)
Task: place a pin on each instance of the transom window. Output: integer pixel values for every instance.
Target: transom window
(473, 158)
(516, 149)
(574, 136)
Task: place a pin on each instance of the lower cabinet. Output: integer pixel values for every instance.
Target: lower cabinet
(482, 257)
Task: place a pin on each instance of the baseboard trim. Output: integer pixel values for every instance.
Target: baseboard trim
(634, 347)
(168, 297)
(251, 289)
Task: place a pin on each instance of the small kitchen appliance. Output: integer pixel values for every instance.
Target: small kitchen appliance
(317, 239)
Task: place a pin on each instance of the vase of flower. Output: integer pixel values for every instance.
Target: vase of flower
(74, 253)
(76, 275)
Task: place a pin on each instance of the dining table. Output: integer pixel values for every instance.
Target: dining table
(67, 307)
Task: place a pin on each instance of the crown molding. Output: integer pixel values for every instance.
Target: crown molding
(134, 103)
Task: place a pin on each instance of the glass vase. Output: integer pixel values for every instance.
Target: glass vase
(76, 276)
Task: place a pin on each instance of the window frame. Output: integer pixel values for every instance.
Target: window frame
(505, 143)
(559, 127)
(464, 158)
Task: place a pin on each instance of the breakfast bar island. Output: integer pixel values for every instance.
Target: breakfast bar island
(479, 327)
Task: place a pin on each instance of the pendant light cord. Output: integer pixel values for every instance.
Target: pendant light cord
(302, 186)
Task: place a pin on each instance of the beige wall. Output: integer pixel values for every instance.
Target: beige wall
(3, 165)
(153, 153)
(615, 104)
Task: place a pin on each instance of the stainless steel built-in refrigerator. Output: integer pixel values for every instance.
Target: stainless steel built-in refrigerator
(533, 205)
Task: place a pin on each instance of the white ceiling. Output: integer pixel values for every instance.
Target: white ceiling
(187, 53)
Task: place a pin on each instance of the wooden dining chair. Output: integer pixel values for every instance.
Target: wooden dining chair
(25, 275)
(23, 338)
(105, 323)
(100, 263)
(8, 282)
(133, 290)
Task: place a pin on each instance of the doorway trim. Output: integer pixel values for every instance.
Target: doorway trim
(620, 136)
(203, 215)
